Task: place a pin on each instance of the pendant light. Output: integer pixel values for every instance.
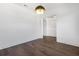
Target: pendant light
(40, 9)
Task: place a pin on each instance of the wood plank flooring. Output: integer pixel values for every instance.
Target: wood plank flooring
(41, 47)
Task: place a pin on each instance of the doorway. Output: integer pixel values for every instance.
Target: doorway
(49, 27)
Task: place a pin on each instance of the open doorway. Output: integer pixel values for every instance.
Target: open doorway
(49, 27)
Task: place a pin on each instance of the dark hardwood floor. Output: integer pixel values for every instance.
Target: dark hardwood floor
(41, 47)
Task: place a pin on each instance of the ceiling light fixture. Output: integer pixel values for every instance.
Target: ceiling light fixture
(40, 9)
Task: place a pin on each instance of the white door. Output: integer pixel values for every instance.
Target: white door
(51, 27)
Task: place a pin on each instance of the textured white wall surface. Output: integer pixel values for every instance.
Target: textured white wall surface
(18, 25)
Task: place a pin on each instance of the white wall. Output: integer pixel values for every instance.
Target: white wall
(50, 26)
(18, 25)
(68, 24)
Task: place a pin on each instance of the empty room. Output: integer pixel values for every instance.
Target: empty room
(39, 29)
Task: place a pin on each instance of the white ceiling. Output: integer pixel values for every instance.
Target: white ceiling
(51, 8)
(31, 6)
